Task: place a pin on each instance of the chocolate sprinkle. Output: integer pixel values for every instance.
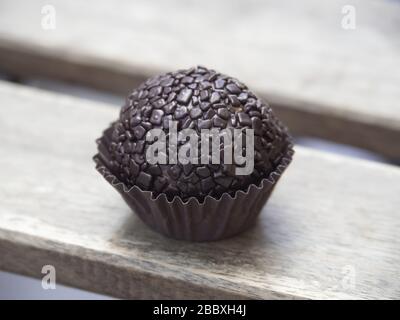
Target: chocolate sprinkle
(156, 116)
(184, 96)
(195, 113)
(215, 97)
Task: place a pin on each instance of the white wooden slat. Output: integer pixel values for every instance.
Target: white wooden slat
(330, 229)
(323, 80)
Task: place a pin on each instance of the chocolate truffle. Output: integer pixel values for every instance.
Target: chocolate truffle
(206, 198)
(197, 98)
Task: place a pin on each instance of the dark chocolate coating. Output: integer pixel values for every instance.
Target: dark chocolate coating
(196, 98)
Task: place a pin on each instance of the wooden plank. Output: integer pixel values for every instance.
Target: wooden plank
(330, 230)
(323, 80)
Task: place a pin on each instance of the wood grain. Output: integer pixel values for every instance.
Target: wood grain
(331, 220)
(323, 80)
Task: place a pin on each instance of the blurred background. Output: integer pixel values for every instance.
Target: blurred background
(330, 69)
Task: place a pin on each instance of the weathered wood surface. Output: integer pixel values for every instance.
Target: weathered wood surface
(330, 223)
(323, 80)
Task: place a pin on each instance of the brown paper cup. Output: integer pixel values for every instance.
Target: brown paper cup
(212, 219)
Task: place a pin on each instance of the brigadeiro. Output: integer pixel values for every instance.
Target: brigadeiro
(167, 177)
